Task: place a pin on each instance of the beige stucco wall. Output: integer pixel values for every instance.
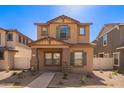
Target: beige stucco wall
(88, 68)
(8, 60)
(74, 30)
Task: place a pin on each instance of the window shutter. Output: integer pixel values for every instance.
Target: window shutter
(68, 32)
(84, 60)
(72, 58)
(57, 32)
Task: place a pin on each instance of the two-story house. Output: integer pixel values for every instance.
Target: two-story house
(110, 42)
(62, 42)
(14, 51)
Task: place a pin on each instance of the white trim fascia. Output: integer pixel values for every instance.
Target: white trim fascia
(109, 31)
(120, 48)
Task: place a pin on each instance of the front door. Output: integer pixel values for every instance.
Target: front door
(52, 58)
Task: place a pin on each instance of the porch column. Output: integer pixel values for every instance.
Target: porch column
(34, 60)
(66, 59)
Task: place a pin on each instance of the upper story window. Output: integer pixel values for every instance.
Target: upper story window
(63, 32)
(23, 40)
(19, 39)
(26, 41)
(10, 37)
(82, 31)
(1, 55)
(105, 39)
(44, 31)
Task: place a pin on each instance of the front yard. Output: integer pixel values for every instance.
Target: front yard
(60, 80)
(97, 79)
(17, 78)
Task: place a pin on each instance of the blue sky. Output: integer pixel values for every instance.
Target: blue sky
(23, 17)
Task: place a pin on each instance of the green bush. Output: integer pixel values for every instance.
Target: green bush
(115, 72)
(60, 83)
(65, 75)
(15, 73)
(20, 75)
(83, 79)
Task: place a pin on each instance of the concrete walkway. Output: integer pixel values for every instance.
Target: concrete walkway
(42, 81)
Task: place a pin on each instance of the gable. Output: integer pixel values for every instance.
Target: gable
(106, 29)
(63, 19)
(48, 42)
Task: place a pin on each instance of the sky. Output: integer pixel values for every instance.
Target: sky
(24, 17)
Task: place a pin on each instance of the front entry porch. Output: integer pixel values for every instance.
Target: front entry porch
(48, 59)
(49, 54)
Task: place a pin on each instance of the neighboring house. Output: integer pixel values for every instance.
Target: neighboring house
(110, 43)
(14, 52)
(62, 44)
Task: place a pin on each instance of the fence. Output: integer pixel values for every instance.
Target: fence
(22, 62)
(103, 63)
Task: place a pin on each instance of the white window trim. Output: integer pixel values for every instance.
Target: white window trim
(83, 30)
(118, 58)
(110, 30)
(106, 40)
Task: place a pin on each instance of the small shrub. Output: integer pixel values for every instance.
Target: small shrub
(33, 71)
(110, 76)
(23, 71)
(65, 75)
(15, 73)
(89, 76)
(83, 79)
(101, 71)
(17, 83)
(115, 72)
(20, 75)
(60, 83)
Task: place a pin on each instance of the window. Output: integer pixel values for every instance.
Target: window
(48, 58)
(105, 40)
(63, 32)
(44, 31)
(116, 58)
(56, 58)
(23, 40)
(19, 38)
(1, 55)
(26, 41)
(78, 57)
(52, 58)
(10, 37)
(82, 31)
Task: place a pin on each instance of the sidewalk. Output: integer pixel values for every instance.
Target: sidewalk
(42, 81)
